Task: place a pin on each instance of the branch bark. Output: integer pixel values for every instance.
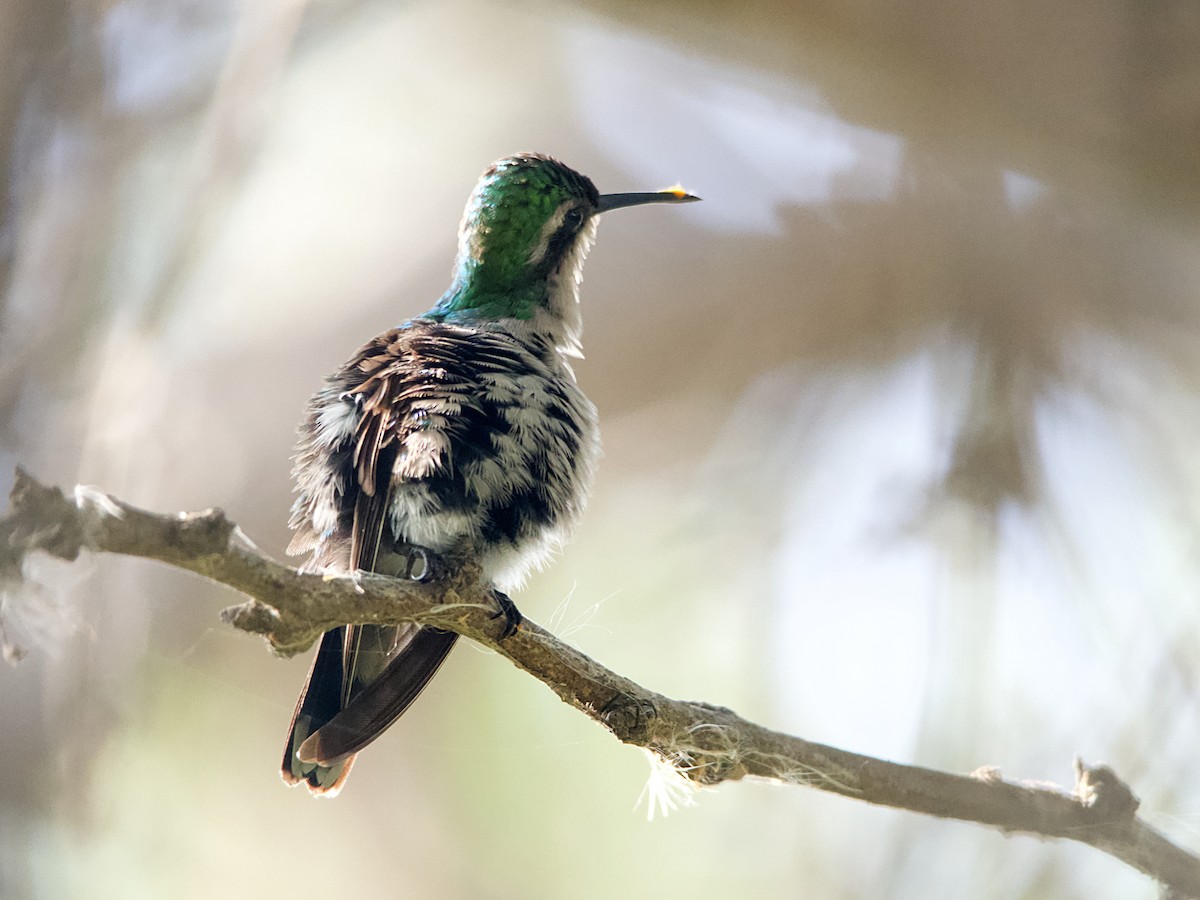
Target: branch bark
(705, 744)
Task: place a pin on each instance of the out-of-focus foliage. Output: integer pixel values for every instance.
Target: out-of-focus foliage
(898, 424)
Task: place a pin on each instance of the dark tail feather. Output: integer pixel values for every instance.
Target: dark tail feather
(319, 702)
(377, 705)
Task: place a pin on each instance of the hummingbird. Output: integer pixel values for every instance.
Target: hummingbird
(461, 433)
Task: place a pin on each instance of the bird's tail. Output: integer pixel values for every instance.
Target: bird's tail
(339, 713)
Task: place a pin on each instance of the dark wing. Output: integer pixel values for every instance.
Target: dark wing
(363, 677)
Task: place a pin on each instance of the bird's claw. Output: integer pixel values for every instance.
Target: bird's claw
(420, 564)
(512, 615)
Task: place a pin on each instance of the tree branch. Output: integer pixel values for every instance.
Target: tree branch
(703, 743)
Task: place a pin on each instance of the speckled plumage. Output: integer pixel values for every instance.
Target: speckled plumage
(461, 432)
(484, 439)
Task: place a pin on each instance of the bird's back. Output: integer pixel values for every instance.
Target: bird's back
(484, 440)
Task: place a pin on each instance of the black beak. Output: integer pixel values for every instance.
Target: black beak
(670, 195)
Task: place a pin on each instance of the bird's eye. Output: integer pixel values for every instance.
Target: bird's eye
(574, 218)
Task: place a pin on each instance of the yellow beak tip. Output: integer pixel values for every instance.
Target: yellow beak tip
(679, 192)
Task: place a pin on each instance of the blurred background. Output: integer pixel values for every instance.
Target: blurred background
(898, 426)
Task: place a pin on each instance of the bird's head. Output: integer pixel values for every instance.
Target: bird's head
(526, 229)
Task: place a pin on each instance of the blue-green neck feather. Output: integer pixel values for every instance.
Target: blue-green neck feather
(475, 295)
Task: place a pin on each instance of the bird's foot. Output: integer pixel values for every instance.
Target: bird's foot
(512, 615)
(424, 565)
(420, 564)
